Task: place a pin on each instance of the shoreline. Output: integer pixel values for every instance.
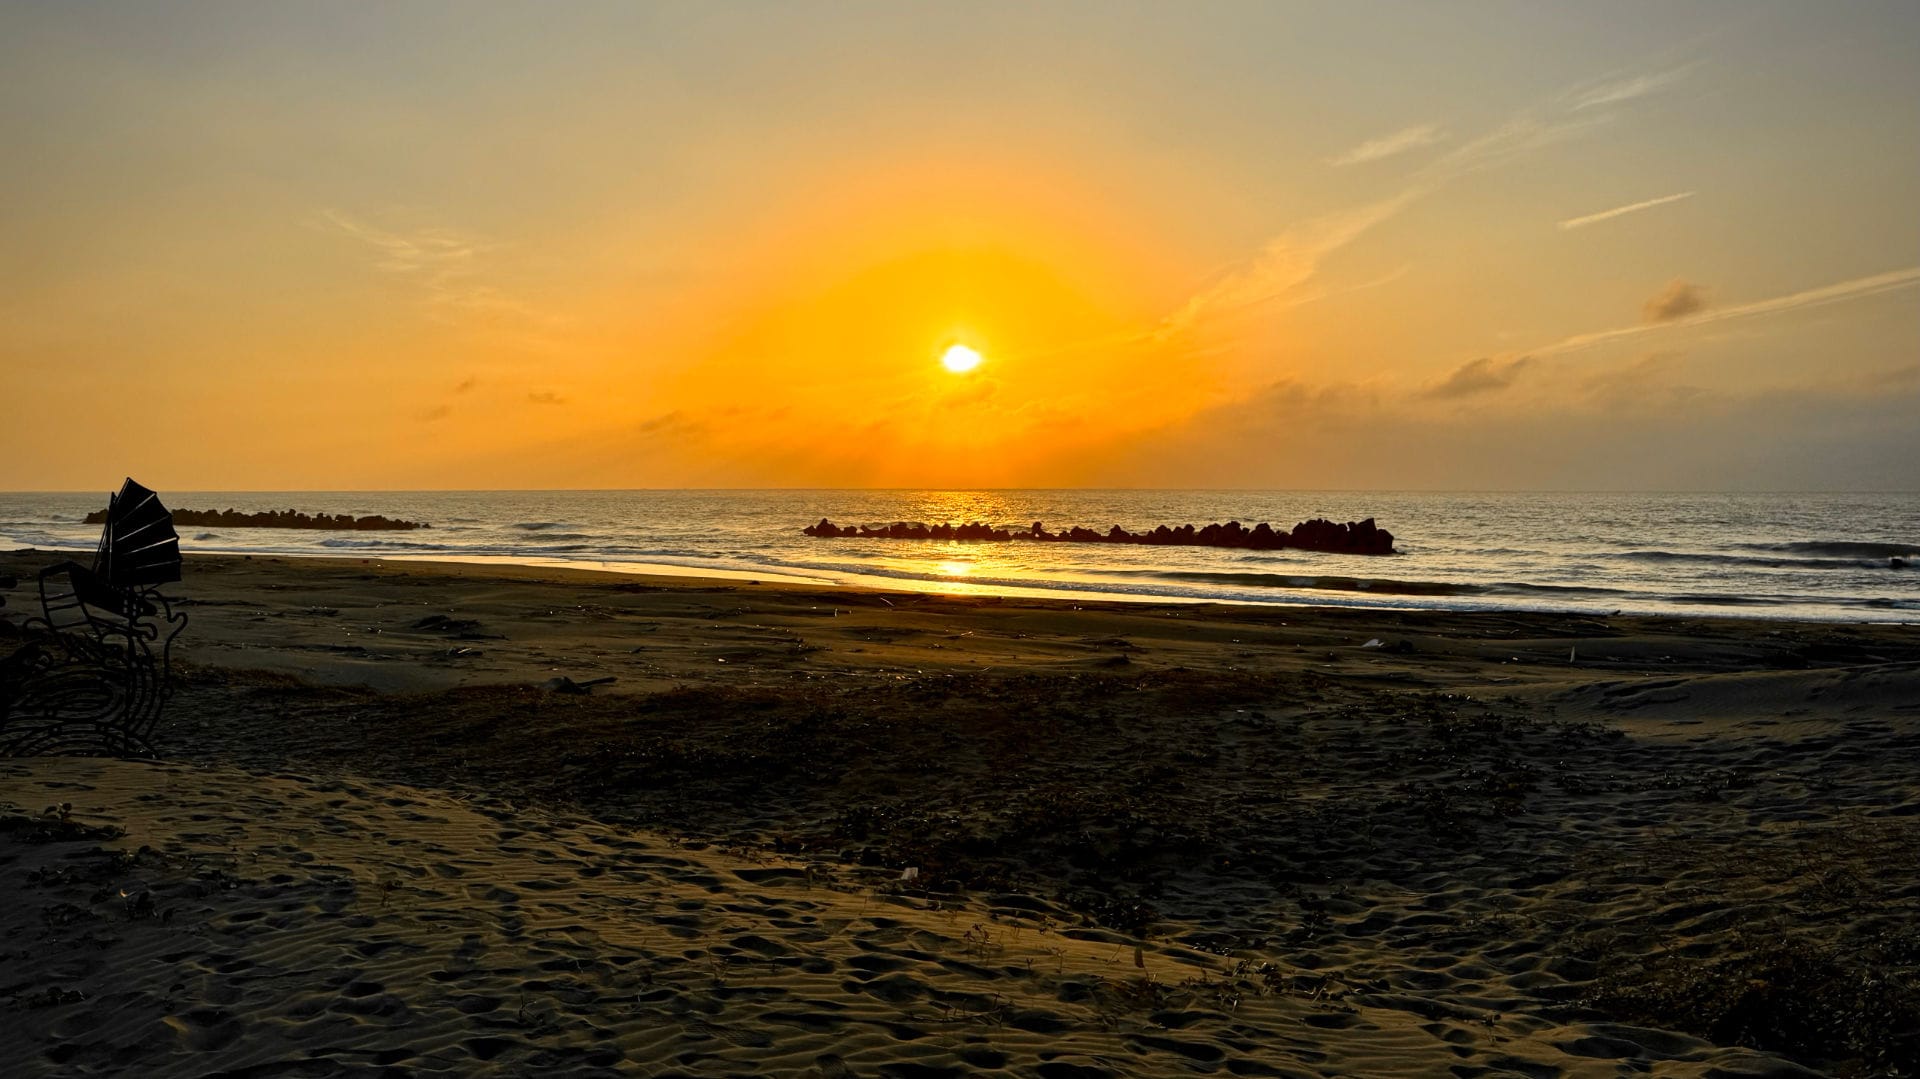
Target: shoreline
(876, 581)
(893, 833)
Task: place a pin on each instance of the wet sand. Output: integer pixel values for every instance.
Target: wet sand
(823, 832)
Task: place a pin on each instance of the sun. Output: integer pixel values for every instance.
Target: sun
(960, 359)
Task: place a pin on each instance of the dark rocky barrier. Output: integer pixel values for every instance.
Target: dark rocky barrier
(339, 522)
(1357, 537)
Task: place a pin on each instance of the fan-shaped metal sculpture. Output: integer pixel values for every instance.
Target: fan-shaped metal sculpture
(93, 674)
(139, 546)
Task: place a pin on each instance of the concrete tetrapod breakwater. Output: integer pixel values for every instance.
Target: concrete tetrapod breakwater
(343, 522)
(1356, 537)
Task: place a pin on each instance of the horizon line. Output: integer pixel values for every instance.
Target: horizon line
(957, 490)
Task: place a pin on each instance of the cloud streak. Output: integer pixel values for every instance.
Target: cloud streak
(451, 270)
(1622, 211)
(1622, 90)
(1838, 292)
(1485, 375)
(1293, 258)
(1410, 138)
(424, 250)
(1672, 438)
(1676, 301)
(1288, 261)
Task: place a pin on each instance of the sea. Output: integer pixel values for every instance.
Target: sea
(1822, 557)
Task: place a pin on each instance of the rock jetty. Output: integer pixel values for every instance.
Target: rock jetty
(338, 522)
(1356, 537)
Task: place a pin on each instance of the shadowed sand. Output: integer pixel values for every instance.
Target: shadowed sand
(1143, 839)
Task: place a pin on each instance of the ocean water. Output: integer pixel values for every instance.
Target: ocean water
(1805, 556)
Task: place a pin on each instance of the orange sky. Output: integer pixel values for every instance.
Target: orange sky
(277, 248)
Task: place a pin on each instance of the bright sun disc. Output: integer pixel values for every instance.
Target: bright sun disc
(960, 359)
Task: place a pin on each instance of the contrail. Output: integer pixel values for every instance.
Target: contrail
(1813, 297)
(1630, 208)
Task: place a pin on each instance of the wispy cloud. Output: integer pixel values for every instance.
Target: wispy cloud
(1677, 300)
(1283, 271)
(419, 251)
(1409, 138)
(1615, 91)
(1639, 385)
(1622, 211)
(1633, 426)
(1288, 261)
(670, 424)
(1899, 378)
(1480, 376)
(1838, 292)
(1293, 258)
(451, 269)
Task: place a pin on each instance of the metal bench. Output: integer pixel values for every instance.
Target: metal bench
(91, 672)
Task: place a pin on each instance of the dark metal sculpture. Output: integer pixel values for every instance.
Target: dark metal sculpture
(93, 673)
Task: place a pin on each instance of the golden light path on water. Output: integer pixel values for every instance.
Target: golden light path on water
(957, 507)
(959, 561)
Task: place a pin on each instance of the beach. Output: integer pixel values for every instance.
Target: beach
(420, 818)
(928, 540)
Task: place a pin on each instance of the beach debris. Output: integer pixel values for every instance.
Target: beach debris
(1573, 653)
(912, 872)
(52, 996)
(459, 627)
(138, 901)
(464, 629)
(1401, 646)
(563, 684)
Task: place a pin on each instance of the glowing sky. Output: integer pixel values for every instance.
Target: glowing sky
(260, 246)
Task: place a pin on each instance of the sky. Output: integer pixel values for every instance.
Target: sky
(1475, 246)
